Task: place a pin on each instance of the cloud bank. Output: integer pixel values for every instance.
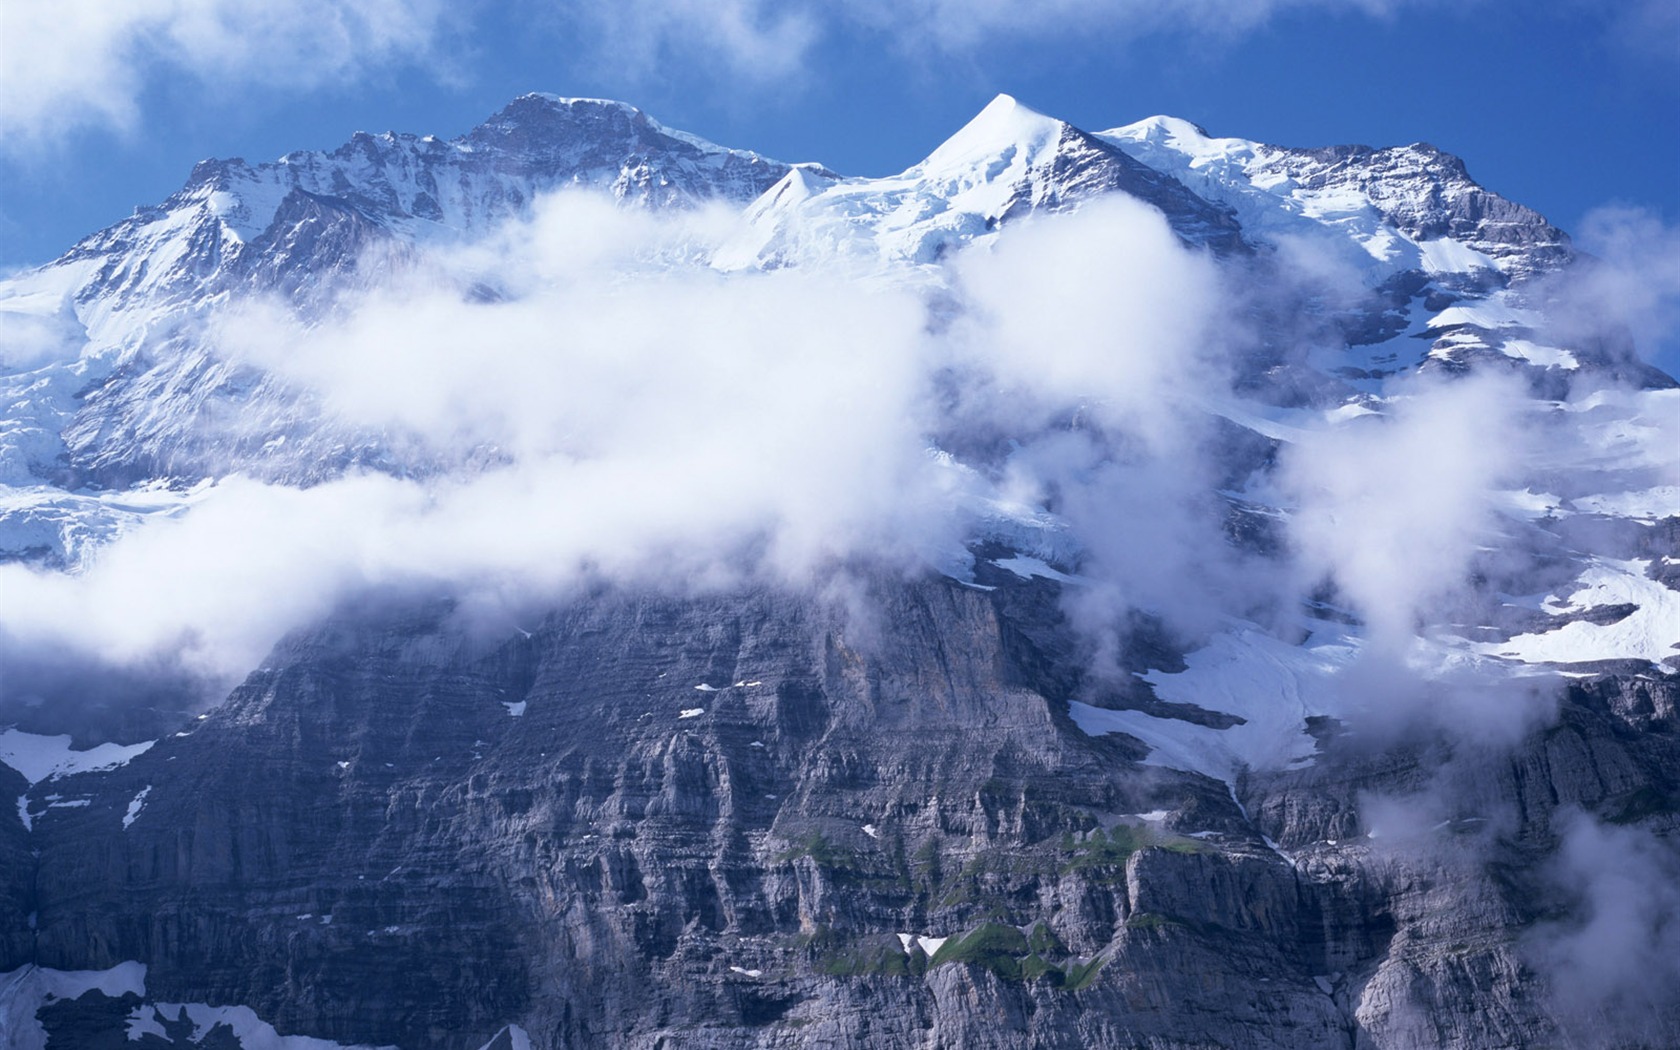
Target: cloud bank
(617, 410)
(596, 403)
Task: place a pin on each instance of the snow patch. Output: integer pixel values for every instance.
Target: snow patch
(929, 945)
(1026, 568)
(1449, 256)
(1272, 685)
(515, 708)
(1537, 354)
(1662, 501)
(39, 757)
(1488, 313)
(691, 712)
(250, 1031)
(1650, 632)
(23, 992)
(135, 805)
(518, 1038)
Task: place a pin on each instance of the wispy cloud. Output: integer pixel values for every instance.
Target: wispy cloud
(957, 25)
(1612, 960)
(83, 63)
(1393, 508)
(749, 41)
(769, 41)
(1632, 283)
(1648, 27)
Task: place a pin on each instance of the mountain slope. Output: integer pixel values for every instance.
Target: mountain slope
(1256, 633)
(1009, 161)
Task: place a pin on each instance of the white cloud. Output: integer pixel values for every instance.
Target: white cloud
(963, 24)
(1612, 962)
(1633, 282)
(1107, 316)
(1126, 332)
(659, 423)
(743, 39)
(676, 427)
(1393, 508)
(768, 42)
(78, 63)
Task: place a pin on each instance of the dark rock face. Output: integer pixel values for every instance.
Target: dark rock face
(706, 822)
(1429, 194)
(1084, 167)
(655, 168)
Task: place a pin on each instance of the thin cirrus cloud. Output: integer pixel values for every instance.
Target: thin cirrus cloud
(84, 63)
(769, 41)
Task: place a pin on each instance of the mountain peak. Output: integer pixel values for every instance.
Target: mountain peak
(1003, 124)
(542, 122)
(1163, 129)
(575, 100)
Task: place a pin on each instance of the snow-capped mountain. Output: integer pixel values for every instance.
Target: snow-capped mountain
(1007, 162)
(115, 389)
(119, 388)
(1311, 523)
(305, 218)
(1408, 207)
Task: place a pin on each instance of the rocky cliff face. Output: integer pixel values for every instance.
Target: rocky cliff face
(762, 819)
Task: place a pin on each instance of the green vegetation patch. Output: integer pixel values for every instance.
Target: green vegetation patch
(1080, 975)
(1100, 849)
(990, 945)
(873, 959)
(1016, 956)
(1103, 853)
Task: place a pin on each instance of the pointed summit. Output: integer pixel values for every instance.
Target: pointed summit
(1005, 127)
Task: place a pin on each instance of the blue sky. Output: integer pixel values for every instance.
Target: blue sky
(1565, 105)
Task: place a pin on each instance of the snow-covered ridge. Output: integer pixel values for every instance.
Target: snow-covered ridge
(1407, 207)
(104, 371)
(1007, 162)
(107, 381)
(417, 186)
